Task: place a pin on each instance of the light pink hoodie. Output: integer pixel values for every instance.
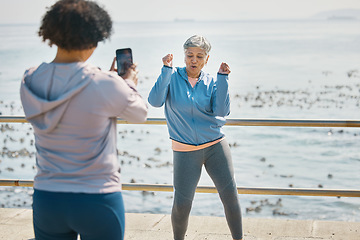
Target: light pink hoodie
(73, 109)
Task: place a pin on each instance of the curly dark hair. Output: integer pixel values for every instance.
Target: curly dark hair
(75, 25)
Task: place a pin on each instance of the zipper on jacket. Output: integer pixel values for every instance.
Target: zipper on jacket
(192, 112)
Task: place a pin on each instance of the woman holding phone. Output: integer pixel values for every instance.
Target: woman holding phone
(73, 107)
(196, 105)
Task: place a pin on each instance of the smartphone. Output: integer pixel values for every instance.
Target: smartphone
(123, 60)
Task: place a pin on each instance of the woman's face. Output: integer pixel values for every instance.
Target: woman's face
(195, 60)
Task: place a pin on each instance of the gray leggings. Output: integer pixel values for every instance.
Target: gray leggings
(187, 171)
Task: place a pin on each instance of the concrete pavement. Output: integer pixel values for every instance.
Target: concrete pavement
(16, 224)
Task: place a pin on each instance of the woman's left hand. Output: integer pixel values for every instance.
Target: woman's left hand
(224, 68)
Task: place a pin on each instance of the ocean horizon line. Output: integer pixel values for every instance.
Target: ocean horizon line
(189, 20)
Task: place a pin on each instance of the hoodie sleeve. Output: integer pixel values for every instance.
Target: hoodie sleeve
(122, 100)
(136, 110)
(158, 93)
(221, 102)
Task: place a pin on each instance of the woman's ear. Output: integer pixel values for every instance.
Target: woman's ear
(207, 58)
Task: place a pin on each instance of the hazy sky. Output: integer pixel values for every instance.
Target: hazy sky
(31, 11)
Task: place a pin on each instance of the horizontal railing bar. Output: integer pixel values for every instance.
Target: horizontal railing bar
(236, 122)
(16, 183)
(212, 189)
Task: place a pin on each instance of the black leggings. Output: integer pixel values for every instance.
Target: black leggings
(187, 171)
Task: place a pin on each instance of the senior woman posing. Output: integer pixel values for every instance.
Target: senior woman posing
(73, 106)
(195, 107)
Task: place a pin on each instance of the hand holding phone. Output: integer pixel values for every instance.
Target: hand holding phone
(124, 60)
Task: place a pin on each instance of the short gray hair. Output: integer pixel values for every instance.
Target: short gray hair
(198, 41)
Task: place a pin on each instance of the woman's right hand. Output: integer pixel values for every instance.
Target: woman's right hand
(131, 73)
(167, 60)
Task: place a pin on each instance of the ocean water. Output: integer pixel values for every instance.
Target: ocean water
(302, 69)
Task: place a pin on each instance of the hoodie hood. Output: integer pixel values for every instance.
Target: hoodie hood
(47, 90)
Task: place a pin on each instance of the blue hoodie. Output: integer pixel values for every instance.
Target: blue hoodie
(195, 115)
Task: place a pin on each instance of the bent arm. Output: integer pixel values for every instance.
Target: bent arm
(221, 102)
(136, 110)
(158, 93)
(121, 99)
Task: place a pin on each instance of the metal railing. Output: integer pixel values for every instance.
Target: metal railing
(237, 122)
(211, 189)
